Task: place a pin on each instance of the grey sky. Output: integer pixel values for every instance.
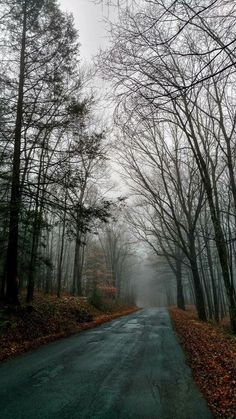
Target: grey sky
(89, 20)
(90, 24)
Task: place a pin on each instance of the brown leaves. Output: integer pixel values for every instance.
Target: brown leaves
(211, 353)
(49, 318)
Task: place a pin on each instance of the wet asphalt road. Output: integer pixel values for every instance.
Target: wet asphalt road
(132, 367)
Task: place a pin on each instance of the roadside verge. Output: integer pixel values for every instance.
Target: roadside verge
(211, 353)
(26, 327)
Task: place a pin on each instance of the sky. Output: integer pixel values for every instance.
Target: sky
(89, 20)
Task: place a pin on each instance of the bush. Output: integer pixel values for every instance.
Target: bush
(96, 299)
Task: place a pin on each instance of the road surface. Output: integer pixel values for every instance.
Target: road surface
(130, 368)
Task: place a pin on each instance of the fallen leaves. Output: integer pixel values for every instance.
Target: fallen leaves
(211, 353)
(49, 318)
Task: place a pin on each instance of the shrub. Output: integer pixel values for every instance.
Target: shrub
(96, 299)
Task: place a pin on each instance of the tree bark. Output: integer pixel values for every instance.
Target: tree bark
(77, 285)
(59, 274)
(198, 291)
(12, 250)
(180, 294)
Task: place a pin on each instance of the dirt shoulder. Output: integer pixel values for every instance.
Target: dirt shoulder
(211, 354)
(28, 326)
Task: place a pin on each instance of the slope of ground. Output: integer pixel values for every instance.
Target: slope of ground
(49, 318)
(211, 353)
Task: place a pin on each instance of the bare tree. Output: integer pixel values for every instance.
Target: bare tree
(167, 63)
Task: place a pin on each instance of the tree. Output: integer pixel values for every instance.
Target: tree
(168, 64)
(46, 42)
(162, 174)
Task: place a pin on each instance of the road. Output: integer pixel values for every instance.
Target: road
(132, 367)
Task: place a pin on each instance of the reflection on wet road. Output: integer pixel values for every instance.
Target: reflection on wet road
(129, 368)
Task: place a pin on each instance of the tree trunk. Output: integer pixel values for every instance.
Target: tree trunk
(198, 291)
(3, 283)
(48, 282)
(32, 268)
(59, 274)
(206, 287)
(211, 192)
(213, 283)
(77, 285)
(180, 294)
(12, 250)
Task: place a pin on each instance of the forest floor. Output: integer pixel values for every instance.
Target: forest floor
(49, 318)
(211, 354)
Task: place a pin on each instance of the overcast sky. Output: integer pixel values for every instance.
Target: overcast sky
(89, 20)
(89, 17)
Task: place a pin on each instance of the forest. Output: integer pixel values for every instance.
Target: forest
(118, 206)
(172, 65)
(54, 208)
(63, 225)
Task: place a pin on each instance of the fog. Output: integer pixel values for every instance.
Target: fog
(153, 283)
